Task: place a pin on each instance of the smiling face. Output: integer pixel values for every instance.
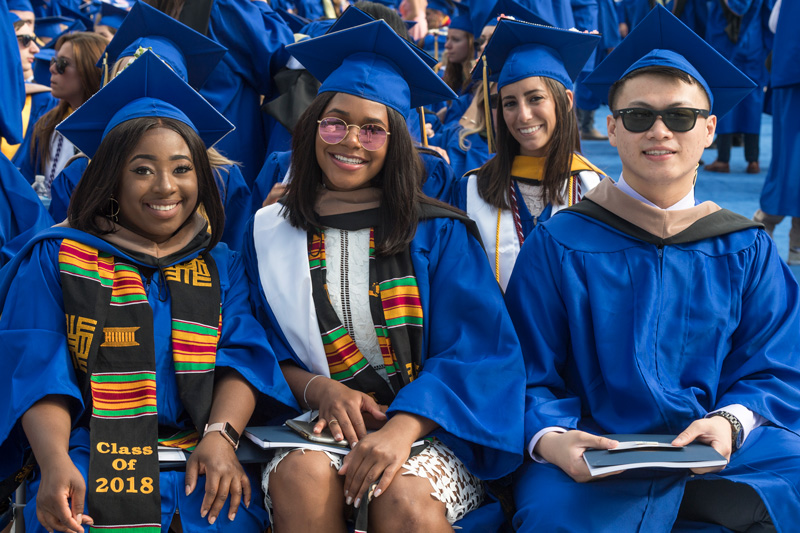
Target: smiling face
(660, 164)
(158, 189)
(348, 166)
(67, 86)
(529, 111)
(26, 53)
(458, 46)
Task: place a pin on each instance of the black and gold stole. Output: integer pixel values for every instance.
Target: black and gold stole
(394, 304)
(110, 338)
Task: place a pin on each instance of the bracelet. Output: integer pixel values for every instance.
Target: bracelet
(736, 427)
(305, 400)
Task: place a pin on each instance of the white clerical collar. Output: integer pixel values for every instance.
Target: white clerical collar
(684, 203)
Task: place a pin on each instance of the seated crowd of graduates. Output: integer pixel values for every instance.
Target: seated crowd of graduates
(203, 277)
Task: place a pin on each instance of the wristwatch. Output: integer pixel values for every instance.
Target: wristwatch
(227, 431)
(736, 427)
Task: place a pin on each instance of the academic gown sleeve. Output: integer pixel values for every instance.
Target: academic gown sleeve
(471, 382)
(243, 344)
(542, 325)
(236, 200)
(22, 215)
(35, 358)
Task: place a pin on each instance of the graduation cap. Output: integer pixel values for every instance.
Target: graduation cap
(190, 54)
(462, 20)
(147, 88)
(77, 15)
(75, 25)
(295, 22)
(353, 17)
(663, 40)
(111, 15)
(518, 50)
(486, 13)
(13, 17)
(20, 5)
(371, 61)
(51, 26)
(445, 6)
(41, 65)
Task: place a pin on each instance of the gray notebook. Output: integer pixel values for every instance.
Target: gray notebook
(650, 451)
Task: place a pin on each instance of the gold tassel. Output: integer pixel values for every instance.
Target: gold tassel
(486, 110)
(422, 126)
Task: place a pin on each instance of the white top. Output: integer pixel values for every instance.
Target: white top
(347, 279)
(686, 202)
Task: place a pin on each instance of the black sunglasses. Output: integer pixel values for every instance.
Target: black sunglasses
(61, 64)
(678, 119)
(26, 40)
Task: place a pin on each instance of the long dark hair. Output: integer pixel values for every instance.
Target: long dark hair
(102, 177)
(399, 179)
(87, 47)
(494, 178)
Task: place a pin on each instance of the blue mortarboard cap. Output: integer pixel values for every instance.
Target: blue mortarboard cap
(147, 88)
(75, 25)
(77, 15)
(486, 13)
(20, 5)
(353, 17)
(518, 50)
(191, 55)
(442, 5)
(41, 66)
(462, 20)
(51, 26)
(663, 40)
(409, 24)
(371, 61)
(13, 18)
(111, 15)
(295, 22)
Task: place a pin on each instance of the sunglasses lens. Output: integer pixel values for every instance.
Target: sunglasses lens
(638, 120)
(372, 136)
(679, 120)
(26, 40)
(332, 130)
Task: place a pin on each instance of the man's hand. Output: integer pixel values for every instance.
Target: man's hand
(565, 450)
(715, 431)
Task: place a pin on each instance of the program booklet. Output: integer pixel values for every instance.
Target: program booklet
(650, 451)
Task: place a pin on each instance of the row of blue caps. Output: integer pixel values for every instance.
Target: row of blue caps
(371, 61)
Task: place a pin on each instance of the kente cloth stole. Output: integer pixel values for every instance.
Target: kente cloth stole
(396, 312)
(110, 340)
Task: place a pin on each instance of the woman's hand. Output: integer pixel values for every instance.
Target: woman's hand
(344, 410)
(565, 450)
(216, 458)
(59, 501)
(380, 455)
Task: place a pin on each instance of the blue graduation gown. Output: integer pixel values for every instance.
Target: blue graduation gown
(235, 197)
(41, 103)
(22, 215)
(469, 383)
(748, 55)
(623, 336)
(254, 36)
(38, 363)
(781, 192)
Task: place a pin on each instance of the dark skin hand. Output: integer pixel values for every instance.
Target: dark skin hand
(214, 457)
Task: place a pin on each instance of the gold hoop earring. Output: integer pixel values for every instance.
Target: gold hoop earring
(114, 211)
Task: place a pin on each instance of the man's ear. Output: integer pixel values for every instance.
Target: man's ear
(711, 127)
(611, 126)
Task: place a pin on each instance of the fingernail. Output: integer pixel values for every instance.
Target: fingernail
(212, 519)
(247, 504)
(338, 436)
(188, 489)
(349, 500)
(357, 503)
(346, 493)
(231, 517)
(78, 518)
(203, 512)
(376, 493)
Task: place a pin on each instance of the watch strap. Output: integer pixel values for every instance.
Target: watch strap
(226, 430)
(736, 427)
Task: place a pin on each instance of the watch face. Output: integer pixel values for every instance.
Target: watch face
(231, 433)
